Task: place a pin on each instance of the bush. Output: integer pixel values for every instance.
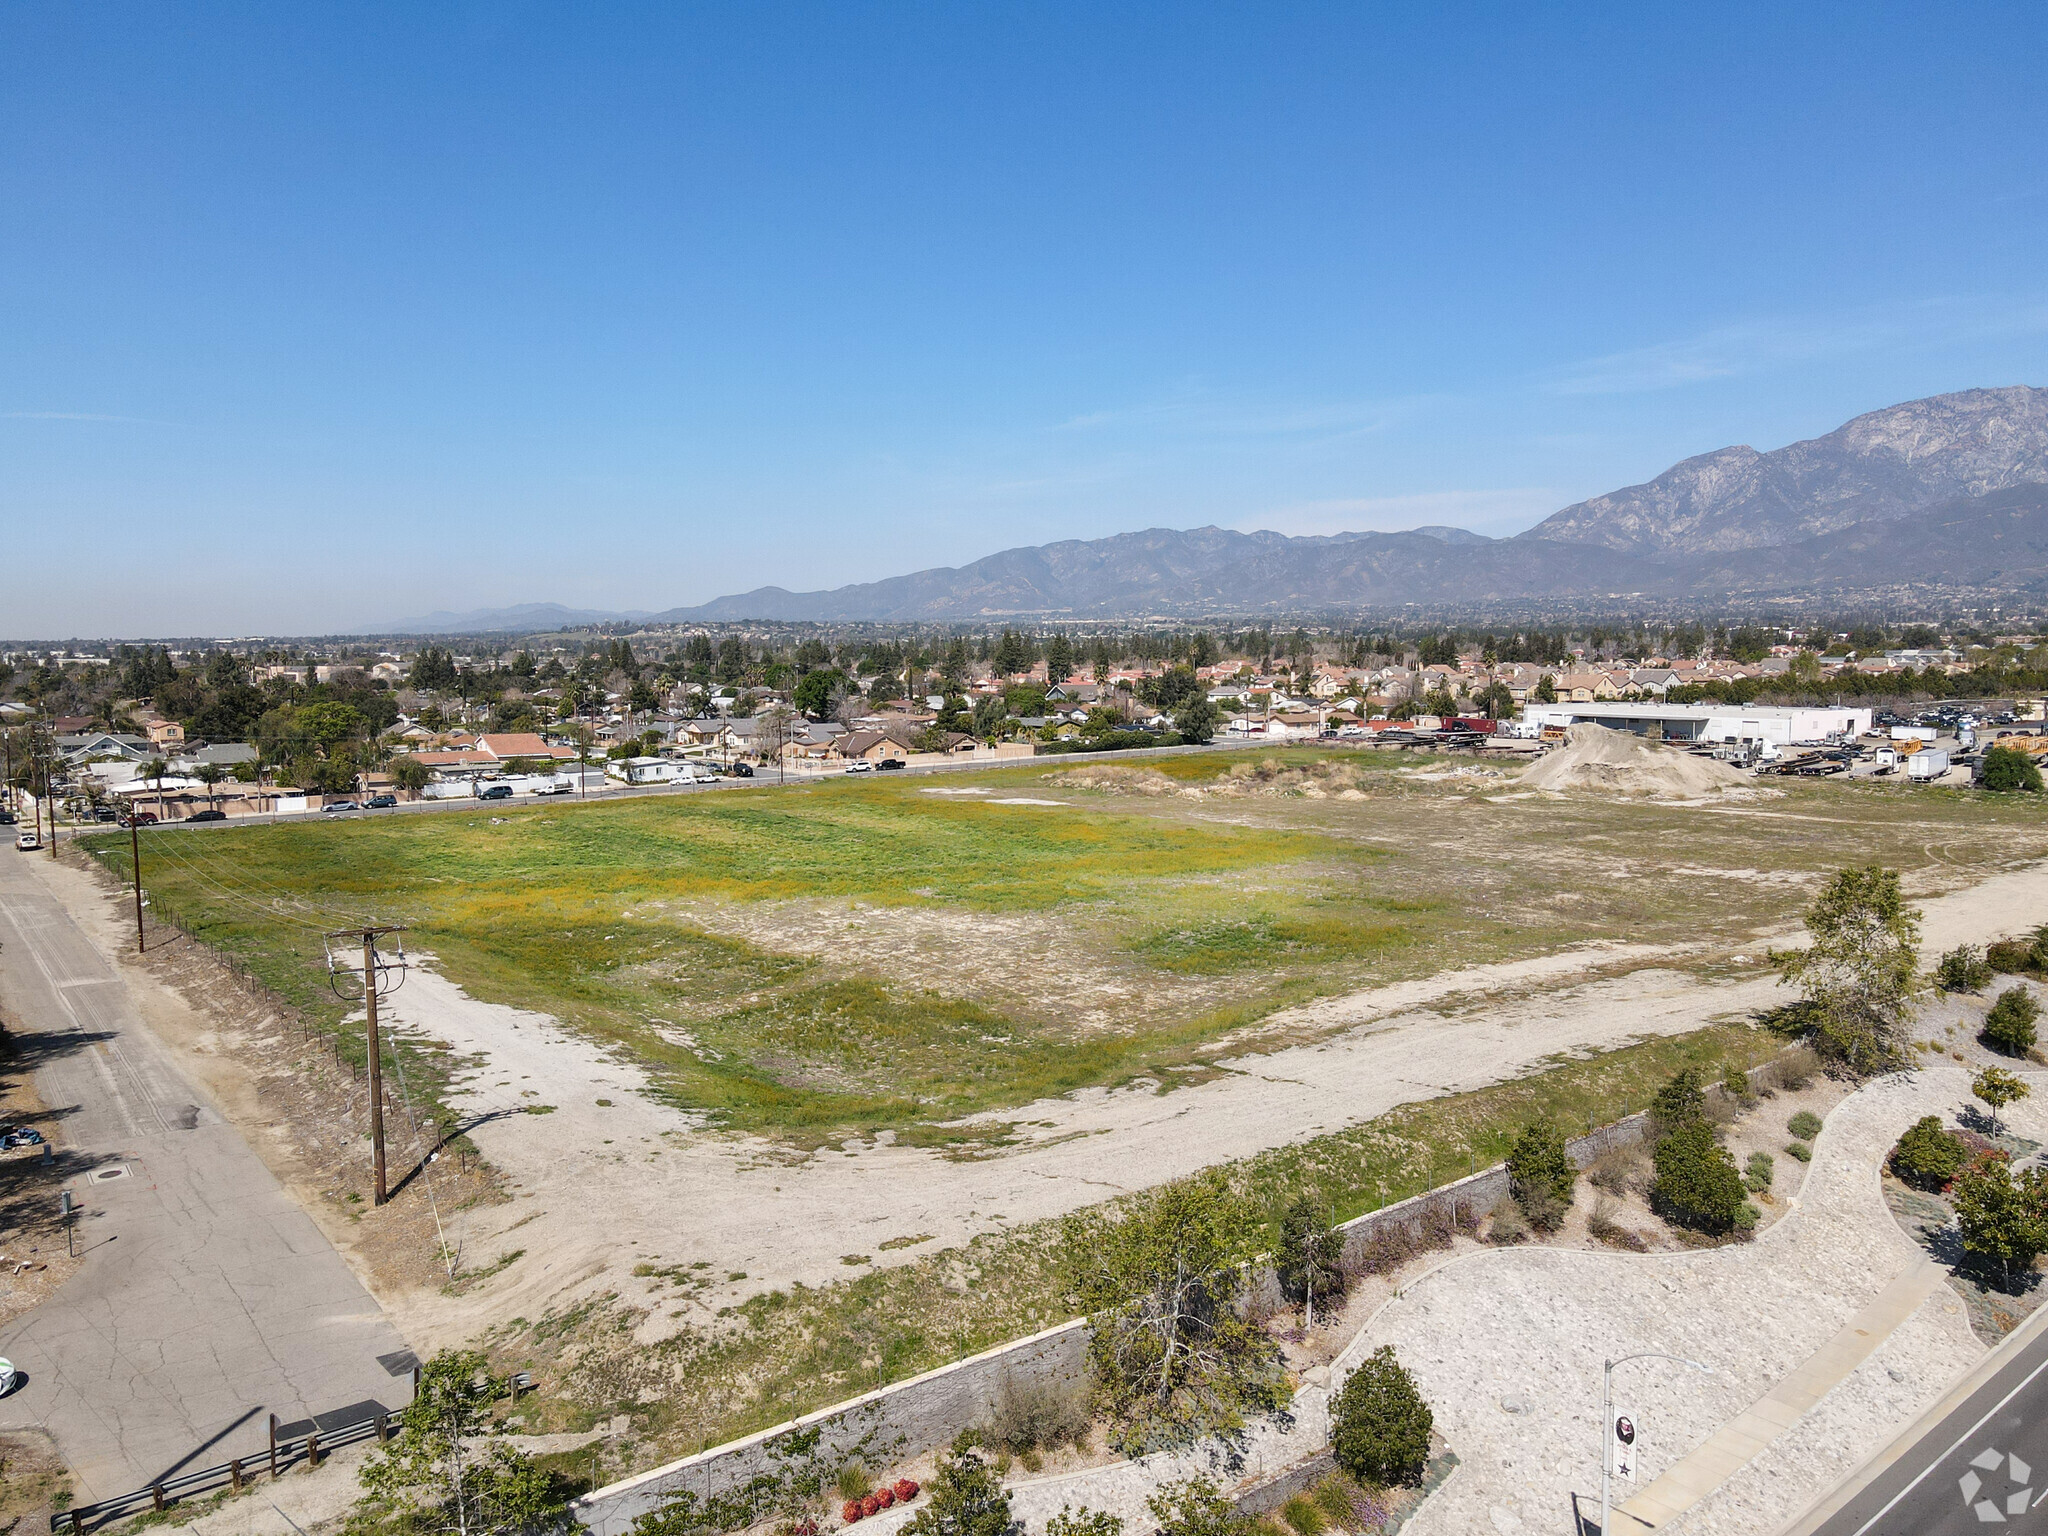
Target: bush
(1759, 1173)
(1799, 1150)
(966, 1499)
(1084, 1522)
(1348, 1505)
(1697, 1185)
(1196, 1507)
(2013, 957)
(1679, 1103)
(1305, 1516)
(1963, 969)
(852, 1482)
(1507, 1224)
(2009, 1026)
(1541, 1176)
(1379, 1424)
(2003, 1220)
(1040, 1417)
(1735, 1083)
(1927, 1156)
(2005, 769)
(1796, 1068)
(1805, 1125)
(1620, 1171)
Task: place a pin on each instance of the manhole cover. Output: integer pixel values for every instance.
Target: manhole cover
(103, 1175)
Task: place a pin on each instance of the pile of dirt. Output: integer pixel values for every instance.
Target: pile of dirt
(1116, 779)
(1621, 763)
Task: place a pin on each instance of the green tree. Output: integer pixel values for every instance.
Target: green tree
(327, 724)
(1857, 973)
(2003, 1220)
(210, 774)
(1495, 700)
(2005, 770)
(1541, 1176)
(1928, 1156)
(818, 691)
(409, 774)
(1174, 1361)
(1998, 1088)
(1680, 1102)
(1196, 720)
(1546, 690)
(965, 1498)
(1379, 1423)
(2009, 1024)
(1084, 1522)
(1059, 659)
(1697, 1183)
(1963, 969)
(443, 1474)
(1195, 1506)
(1309, 1254)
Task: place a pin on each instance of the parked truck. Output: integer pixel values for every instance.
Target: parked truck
(1927, 765)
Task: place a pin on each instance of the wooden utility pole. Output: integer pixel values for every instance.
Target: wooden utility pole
(135, 861)
(369, 937)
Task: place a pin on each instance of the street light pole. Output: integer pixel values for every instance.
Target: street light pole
(1607, 1414)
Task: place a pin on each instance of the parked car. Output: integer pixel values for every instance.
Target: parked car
(860, 766)
(890, 764)
(208, 816)
(6, 818)
(380, 802)
(741, 770)
(139, 819)
(105, 813)
(341, 805)
(557, 787)
(495, 792)
(28, 842)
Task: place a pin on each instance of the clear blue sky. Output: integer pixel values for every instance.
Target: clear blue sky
(318, 315)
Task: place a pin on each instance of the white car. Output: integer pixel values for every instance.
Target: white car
(860, 765)
(28, 842)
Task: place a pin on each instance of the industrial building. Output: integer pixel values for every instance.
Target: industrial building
(1779, 725)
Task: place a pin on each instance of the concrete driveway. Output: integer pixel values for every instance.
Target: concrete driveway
(208, 1300)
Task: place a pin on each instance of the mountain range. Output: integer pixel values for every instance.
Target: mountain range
(1947, 494)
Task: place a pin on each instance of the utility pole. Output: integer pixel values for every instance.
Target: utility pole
(135, 861)
(369, 937)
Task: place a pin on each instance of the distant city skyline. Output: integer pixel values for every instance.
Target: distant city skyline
(319, 318)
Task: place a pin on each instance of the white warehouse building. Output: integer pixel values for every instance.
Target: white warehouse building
(1777, 724)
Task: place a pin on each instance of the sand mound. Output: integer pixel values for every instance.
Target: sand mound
(1115, 779)
(1622, 763)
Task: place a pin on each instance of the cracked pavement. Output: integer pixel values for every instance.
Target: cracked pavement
(208, 1299)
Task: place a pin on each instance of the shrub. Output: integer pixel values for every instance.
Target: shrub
(2005, 769)
(966, 1499)
(1963, 969)
(1620, 1171)
(1805, 1125)
(2009, 1025)
(1927, 1156)
(1308, 1256)
(906, 1489)
(1507, 1224)
(1759, 1173)
(1379, 1424)
(1541, 1176)
(1679, 1103)
(2012, 957)
(1349, 1505)
(852, 1482)
(1039, 1417)
(1602, 1225)
(1735, 1083)
(1697, 1185)
(1796, 1068)
(1084, 1522)
(1305, 1515)
(1196, 1507)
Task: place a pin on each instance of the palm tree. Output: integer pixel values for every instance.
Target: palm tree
(153, 772)
(211, 774)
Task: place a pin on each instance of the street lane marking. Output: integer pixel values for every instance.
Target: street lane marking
(1864, 1528)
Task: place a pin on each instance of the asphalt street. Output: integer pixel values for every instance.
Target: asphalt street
(1983, 1466)
(207, 1299)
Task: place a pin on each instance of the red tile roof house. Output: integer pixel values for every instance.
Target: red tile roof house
(511, 744)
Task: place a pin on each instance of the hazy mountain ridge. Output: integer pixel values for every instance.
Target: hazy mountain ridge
(1950, 491)
(1884, 464)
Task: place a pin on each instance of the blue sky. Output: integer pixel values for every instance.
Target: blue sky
(319, 315)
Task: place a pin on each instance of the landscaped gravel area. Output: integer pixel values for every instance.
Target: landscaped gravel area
(1508, 1345)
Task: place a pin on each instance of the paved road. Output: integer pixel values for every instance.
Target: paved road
(208, 1299)
(1983, 1466)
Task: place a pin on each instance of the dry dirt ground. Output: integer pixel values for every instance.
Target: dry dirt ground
(35, 1257)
